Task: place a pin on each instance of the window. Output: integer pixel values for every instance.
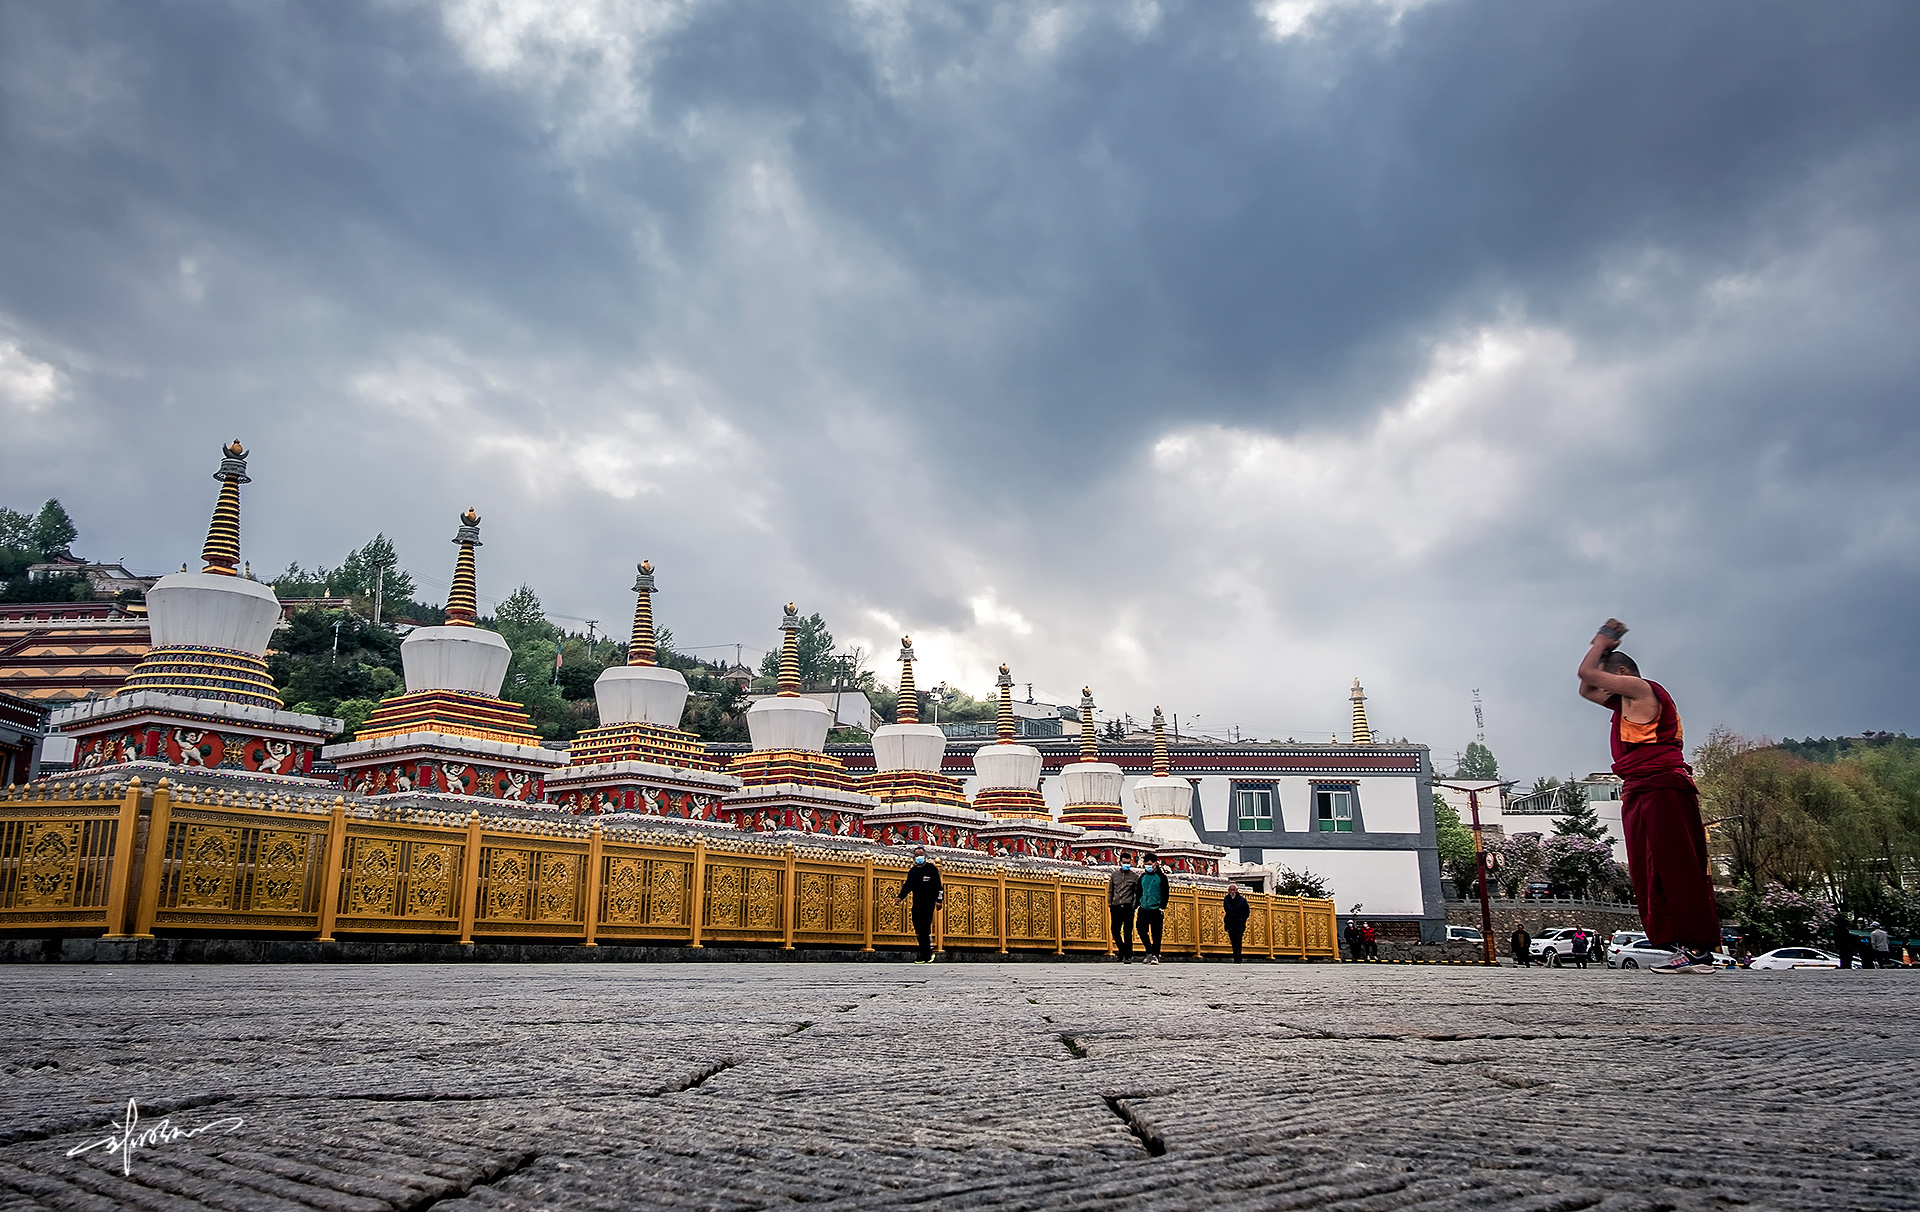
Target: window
(1334, 810)
(1255, 808)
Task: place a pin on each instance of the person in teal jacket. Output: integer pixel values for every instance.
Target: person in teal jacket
(1153, 908)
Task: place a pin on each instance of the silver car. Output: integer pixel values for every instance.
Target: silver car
(1640, 955)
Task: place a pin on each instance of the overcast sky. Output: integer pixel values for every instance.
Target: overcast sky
(1210, 353)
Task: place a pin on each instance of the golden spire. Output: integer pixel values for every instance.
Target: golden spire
(222, 552)
(1004, 725)
(1362, 735)
(1089, 743)
(1162, 767)
(461, 606)
(908, 710)
(640, 647)
(790, 653)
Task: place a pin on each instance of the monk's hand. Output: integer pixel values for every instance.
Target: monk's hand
(1610, 633)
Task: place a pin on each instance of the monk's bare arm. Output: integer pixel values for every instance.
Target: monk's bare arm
(1599, 686)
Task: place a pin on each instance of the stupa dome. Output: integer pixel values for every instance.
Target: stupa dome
(641, 692)
(1092, 782)
(1165, 801)
(457, 656)
(207, 610)
(908, 744)
(788, 721)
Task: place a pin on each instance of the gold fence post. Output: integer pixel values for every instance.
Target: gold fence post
(790, 903)
(1059, 916)
(159, 823)
(697, 890)
(940, 926)
(470, 880)
(1268, 898)
(593, 884)
(121, 873)
(866, 911)
(1000, 908)
(1195, 889)
(330, 874)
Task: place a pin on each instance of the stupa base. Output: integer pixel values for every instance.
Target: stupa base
(189, 732)
(912, 823)
(1030, 837)
(648, 788)
(439, 763)
(798, 808)
(1111, 847)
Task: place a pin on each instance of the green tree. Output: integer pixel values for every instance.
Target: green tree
(1457, 855)
(359, 572)
(1578, 817)
(821, 667)
(521, 617)
(1477, 763)
(1287, 882)
(315, 678)
(53, 531)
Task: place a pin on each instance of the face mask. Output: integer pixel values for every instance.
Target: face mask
(918, 859)
(1126, 866)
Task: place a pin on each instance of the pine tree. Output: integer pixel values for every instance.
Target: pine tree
(1578, 819)
(53, 530)
(1477, 763)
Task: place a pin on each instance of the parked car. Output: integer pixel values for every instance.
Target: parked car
(1795, 957)
(1621, 940)
(1640, 955)
(1551, 947)
(1465, 934)
(1539, 890)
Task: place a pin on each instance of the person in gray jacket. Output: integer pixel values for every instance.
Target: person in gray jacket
(1123, 898)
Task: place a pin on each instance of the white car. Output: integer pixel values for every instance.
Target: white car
(1464, 934)
(1640, 955)
(1621, 940)
(1555, 947)
(1795, 957)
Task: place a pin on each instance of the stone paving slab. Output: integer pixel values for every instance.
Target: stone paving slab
(864, 1086)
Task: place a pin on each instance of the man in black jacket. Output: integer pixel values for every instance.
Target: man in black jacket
(1236, 910)
(923, 882)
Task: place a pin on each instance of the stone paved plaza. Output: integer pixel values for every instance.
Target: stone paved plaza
(747, 1086)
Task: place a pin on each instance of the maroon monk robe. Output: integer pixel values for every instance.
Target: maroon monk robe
(1666, 843)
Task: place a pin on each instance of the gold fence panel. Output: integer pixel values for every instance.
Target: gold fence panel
(1030, 905)
(1286, 926)
(231, 865)
(646, 892)
(532, 886)
(1213, 925)
(401, 879)
(829, 905)
(744, 899)
(62, 863)
(1085, 922)
(892, 918)
(1317, 930)
(972, 915)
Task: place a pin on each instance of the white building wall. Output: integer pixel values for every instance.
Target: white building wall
(1379, 881)
(1215, 793)
(1296, 805)
(1390, 805)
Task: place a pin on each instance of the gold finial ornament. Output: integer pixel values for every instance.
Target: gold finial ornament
(221, 554)
(907, 710)
(640, 648)
(462, 603)
(1162, 766)
(1362, 734)
(1089, 740)
(790, 652)
(1004, 717)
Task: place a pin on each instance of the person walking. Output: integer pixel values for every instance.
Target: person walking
(1660, 806)
(1842, 939)
(1123, 897)
(1370, 941)
(1580, 949)
(1882, 952)
(923, 885)
(1235, 909)
(1352, 933)
(1153, 908)
(1522, 945)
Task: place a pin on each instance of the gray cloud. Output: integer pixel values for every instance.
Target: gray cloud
(1213, 355)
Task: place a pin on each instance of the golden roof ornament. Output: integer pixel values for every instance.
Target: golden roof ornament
(1089, 741)
(907, 705)
(790, 652)
(462, 596)
(640, 648)
(1362, 734)
(221, 552)
(1162, 765)
(1004, 716)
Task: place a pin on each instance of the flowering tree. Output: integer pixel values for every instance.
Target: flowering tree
(1523, 859)
(1781, 917)
(1583, 866)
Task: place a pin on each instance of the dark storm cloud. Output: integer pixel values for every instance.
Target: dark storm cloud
(741, 282)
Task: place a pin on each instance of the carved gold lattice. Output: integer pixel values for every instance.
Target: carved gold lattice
(763, 899)
(1179, 927)
(1213, 933)
(431, 871)
(1019, 920)
(207, 862)
(667, 901)
(889, 913)
(1073, 917)
(844, 917)
(624, 892)
(813, 901)
(559, 887)
(1256, 931)
(724, 907)
(49, 865)
(509, 879)
(375, 876)
(280, 872)
(1287, 919)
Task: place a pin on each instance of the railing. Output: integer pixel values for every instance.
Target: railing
(75, 859)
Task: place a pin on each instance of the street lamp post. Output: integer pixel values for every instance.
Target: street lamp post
(1480, 860)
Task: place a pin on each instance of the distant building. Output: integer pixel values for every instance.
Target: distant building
(23, 727)
(1536, 811)
(106, 579)
(62, 652)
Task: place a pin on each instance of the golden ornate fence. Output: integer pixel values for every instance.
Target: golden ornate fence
(134, 862)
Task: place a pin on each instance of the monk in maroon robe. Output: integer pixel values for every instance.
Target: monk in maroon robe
(1660, 807)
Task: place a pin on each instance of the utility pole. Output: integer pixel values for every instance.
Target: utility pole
(1480, 859)
(379, 588)
(336, 642)
(591, 624)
